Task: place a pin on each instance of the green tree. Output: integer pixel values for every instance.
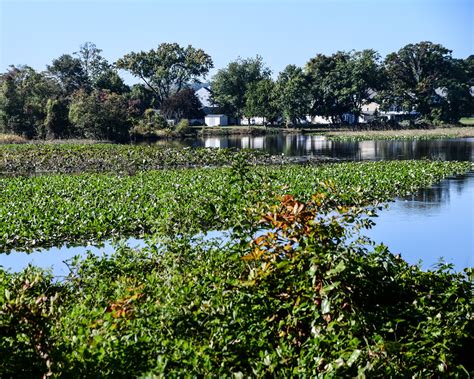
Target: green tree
(110, 80)
(100, 73)
(93, 64)
(341, 83)
(414, 73)
(167, 69)
(70, 74)
(229, 86)
(24, 94)
(56, 123)
(182, 105)
(100, 115)
(260, 102)
(455, 98)
(367, 76)
(292, 94)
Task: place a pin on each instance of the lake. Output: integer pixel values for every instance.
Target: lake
(460, 149)
(435, 222)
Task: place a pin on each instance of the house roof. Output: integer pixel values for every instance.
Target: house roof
(204, 96)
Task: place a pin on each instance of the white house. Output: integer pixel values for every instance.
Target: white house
(216, 120)
(252, 121)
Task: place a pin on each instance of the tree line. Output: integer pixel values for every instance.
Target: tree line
(82, 95)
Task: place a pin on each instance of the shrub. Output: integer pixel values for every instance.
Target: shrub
(183, 127)
(292, 294)
(152, 124)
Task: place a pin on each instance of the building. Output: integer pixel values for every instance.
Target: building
(216, 120)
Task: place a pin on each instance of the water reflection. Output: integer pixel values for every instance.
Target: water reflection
(303, 145)
(56, 258)
(432, 223)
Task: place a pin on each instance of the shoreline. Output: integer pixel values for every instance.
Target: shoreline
(343, 133)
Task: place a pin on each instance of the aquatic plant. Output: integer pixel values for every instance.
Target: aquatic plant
(290, 296)
(51, 210)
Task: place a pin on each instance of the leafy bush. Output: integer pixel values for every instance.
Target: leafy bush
(288, 295)
(151, 125)
(183, 127)
(100, 115)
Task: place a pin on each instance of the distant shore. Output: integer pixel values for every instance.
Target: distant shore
(330, 132)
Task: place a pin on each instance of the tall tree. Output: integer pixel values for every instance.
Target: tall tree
(260, 102)
(341, 83)
(167, 69)
(414, 74)
(24, 94)
(100, 73)
(455, 93)
(93, 64)
(69, 73)
(229, 86)
(292, 94)
(182, 105)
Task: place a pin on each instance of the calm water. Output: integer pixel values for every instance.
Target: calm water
(461, 149)
(433, 223)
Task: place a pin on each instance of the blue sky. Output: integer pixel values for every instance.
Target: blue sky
(281, 31)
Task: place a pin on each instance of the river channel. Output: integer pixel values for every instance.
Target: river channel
(436, 222)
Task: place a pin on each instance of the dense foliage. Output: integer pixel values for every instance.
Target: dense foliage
(421, 81)
(231, 84)
(126, 159)
(49, 210)
(343, 82)
(167, 69)
(289, 295)
(425, 78)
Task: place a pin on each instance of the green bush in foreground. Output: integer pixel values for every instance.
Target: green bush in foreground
(288, 296)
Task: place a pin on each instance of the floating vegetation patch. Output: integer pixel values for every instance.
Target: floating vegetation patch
(51, 210)
(33, 159)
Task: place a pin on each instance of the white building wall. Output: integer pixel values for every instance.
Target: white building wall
(216, 120)
(253, 121)
(320, 120)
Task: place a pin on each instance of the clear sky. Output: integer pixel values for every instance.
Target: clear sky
(281, 31)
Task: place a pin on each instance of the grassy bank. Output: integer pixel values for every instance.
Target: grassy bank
(243, 130)
(467, 121)
(438, 133)
(11, 138)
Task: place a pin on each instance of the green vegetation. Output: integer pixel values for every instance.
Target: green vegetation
(467, 121)
(50, 210)
(83, 96)
(77, 158)
(298, 300)
(406, 134)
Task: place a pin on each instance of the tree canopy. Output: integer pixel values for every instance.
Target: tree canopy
(342, 82)
(414, 73)
(168, 68)
(422, 80)
(292, 94)
(230, 84)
